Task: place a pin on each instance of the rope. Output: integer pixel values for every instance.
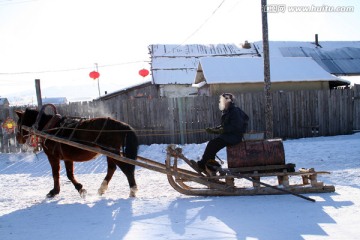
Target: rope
(172, 134)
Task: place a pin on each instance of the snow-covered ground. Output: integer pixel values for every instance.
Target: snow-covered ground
(159, 212)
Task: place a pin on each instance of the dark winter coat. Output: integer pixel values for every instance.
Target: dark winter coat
(234, 123)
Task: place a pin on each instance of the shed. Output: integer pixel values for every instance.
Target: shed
(225, 74)
(4, 108)
(4, 103)
(142, 90)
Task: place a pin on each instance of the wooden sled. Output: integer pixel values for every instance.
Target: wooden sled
(224, 183)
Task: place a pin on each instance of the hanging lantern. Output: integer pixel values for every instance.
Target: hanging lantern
(144, 72)
(9, 125)
(94, 75)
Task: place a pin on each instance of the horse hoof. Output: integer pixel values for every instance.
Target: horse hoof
(51, 194)
(82, 193)
(133, 191)
(103, 187)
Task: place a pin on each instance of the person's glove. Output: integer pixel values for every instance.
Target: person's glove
(216, 130)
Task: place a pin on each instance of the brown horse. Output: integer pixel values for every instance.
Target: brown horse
(104, 133)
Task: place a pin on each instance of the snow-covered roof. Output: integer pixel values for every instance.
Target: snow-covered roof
(125, 89)
(3, 101)
(235, 70)
(199, 50)
(177, 64)
(55, 100)
(336, 57)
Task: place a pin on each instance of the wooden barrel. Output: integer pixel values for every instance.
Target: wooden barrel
(256, 153)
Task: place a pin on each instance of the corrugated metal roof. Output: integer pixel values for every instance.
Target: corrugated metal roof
(198, 50)
(344, 61)
(177, 64)
(339, 58)
(236, 70)
(174, 63)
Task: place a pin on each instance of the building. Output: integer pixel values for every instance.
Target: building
(242, 75)
(4, 103)
(142, 90)
(174, 67)
(4, 108)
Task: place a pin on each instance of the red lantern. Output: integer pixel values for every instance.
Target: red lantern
(144, 72)
(94, 75)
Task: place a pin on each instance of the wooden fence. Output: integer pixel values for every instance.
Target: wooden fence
(183, 120)
(296, 114)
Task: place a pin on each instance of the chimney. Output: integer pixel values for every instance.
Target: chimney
(317, 40)
(246, 45)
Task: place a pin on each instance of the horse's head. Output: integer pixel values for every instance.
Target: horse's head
(26, 118)
(32, 118)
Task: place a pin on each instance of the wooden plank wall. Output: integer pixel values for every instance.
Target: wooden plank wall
(356, 108)
(296, 114)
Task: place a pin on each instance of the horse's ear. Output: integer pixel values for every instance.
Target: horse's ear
(19, 113)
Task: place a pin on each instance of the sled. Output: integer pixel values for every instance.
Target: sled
(189, 182)
(224, 183)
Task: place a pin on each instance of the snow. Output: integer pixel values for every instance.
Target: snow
(243, 69)
(159, 212)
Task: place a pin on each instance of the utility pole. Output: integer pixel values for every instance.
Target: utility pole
(267, 86)
(38, 93)
(98, 81)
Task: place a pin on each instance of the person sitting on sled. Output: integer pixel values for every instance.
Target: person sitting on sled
(233, 125)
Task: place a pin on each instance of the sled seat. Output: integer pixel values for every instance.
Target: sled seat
(256, 153)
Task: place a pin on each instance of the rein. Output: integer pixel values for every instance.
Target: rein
(117, 131)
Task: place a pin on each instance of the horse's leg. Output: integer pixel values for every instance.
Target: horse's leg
(69, 165)
(110, 172)
(55, 168)
(129, 171)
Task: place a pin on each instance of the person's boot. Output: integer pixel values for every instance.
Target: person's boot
(212, 167)
(198, 166)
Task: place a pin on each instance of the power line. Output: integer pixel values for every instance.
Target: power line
(69, 69)
(201, 26)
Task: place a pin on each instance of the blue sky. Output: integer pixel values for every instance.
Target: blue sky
(41, 37)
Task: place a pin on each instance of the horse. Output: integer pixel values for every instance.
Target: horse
(103, 133)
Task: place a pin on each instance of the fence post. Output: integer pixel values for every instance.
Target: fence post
(356, 107)
(181, 120)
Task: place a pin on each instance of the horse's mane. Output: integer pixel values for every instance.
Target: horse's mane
(30, 116)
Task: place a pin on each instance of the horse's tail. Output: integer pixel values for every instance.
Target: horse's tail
(131, 144)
